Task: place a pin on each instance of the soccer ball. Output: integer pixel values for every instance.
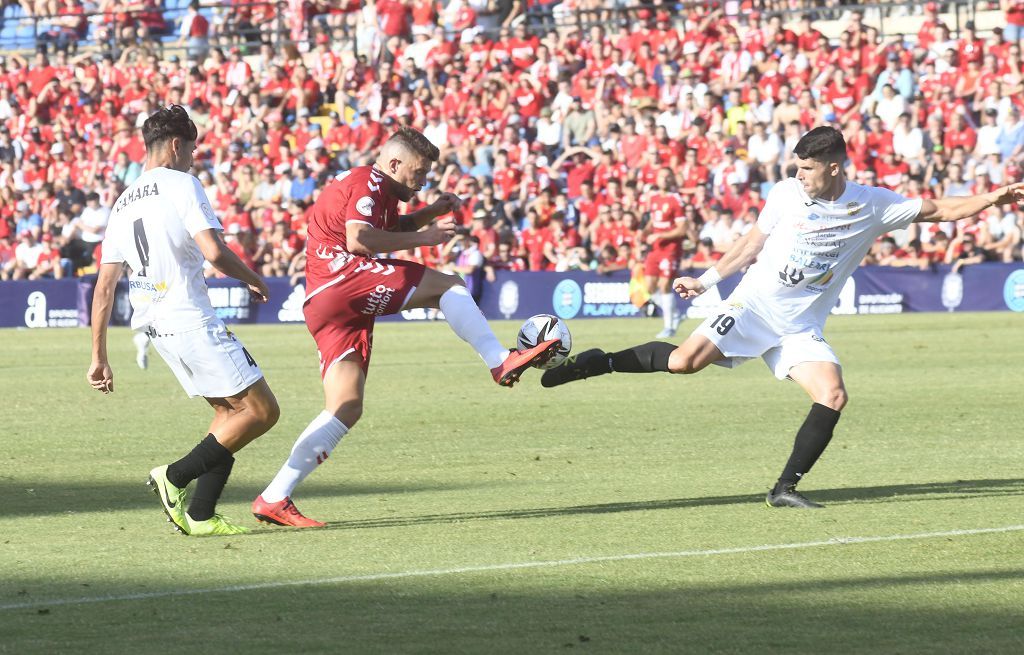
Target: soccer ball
(544, 327)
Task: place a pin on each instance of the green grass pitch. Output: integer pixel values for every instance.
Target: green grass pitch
(619, 515)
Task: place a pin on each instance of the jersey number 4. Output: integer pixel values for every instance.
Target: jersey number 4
(141, 245)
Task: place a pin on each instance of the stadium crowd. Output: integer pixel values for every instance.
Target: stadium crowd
(558, 142)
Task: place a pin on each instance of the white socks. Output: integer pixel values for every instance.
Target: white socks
(141, 341)
(667, 303)
(469, 323)
(310, 450)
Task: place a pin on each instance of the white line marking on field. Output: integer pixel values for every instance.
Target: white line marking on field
(509, 566)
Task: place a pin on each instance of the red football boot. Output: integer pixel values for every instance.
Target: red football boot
(283, 512)
(518, 361)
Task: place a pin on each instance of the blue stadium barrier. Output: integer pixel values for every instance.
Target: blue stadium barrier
(571, 295)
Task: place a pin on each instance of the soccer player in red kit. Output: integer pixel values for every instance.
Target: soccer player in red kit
(347, 287)
(665, 232)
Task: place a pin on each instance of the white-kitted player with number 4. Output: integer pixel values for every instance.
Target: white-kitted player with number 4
(162, 228)
(809, 238)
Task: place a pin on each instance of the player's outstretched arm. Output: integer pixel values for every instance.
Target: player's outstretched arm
(742, 254)
(100, 377)
(227, 262)
(954, 209)
(364, 239)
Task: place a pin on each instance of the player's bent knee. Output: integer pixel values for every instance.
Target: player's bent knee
(272, 413)
(349, 413)
(682, 362)
(446, 285)
(264, 410)
(262, 404)
(835, 399)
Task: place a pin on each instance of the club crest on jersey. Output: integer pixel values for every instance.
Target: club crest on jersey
(852, 208)
(365, 206)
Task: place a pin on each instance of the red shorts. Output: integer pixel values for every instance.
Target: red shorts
(662, 261)
(340, 317)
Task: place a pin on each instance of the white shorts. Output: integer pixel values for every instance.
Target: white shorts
(741, 335)
(209, 361)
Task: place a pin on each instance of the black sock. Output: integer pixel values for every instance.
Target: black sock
(207, 455)
(649, 358)
(811, 440)
(207, 491)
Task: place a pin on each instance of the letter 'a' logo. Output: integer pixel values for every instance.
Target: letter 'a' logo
(365, 206)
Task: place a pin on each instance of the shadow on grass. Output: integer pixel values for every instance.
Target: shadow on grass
(823, 612)
(25, 498)
(959, 489)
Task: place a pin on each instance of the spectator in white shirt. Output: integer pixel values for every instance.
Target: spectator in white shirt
(908, 142)
(765, 148)
(890, 106)
(92, 222)
(436, 130)
(26, 254)
(549, 132)
(988, 134)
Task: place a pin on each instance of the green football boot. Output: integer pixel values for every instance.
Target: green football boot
(216, 525)
(172, 499)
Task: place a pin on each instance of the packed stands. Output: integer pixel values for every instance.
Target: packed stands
(557, 122)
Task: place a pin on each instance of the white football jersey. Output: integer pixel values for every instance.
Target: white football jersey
(152, 228)
(813, 246)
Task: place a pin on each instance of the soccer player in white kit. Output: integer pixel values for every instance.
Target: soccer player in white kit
(162, 228)
(809, 238)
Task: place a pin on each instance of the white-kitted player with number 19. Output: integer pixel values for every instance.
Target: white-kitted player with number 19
(809, 238)
(163, 228)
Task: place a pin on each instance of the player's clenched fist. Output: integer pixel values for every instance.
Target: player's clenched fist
(439, 231)
(260, 292)
(100, 377)
(688, 287)
(446, 204)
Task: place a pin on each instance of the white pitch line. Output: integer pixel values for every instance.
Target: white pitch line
(509, 566)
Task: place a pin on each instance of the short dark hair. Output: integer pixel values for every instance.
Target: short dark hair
(168, 123)
(416, 142)
(824, 144)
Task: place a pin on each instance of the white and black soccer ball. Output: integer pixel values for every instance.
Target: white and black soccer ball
(544, 327)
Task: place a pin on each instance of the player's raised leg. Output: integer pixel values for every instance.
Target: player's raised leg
(344, 382)
(823, 382)
(450, 295)
(693, 355)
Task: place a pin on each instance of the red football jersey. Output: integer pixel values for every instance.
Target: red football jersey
(666, 212)
(357, 195)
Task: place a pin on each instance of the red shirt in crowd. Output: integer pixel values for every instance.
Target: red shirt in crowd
(534, 240)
